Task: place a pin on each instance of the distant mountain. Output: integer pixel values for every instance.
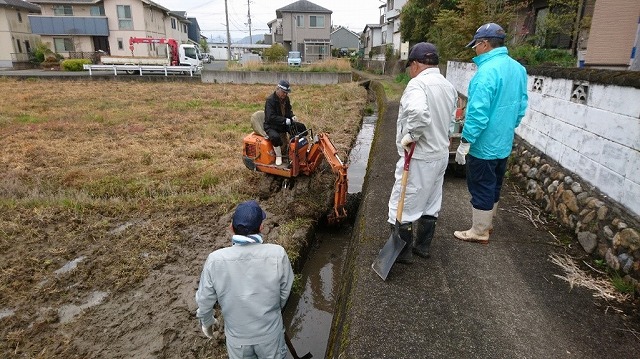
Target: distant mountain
(247, 40)
(244, 40)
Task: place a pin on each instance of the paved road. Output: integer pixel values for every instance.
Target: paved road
(469, 301)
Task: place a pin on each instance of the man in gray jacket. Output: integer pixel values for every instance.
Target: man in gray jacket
(251, 280)
(427, 110)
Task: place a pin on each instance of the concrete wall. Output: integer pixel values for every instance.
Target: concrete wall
(590, 129)
(263, 77)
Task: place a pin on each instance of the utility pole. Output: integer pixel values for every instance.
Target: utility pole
(226, 14)
(249, 16)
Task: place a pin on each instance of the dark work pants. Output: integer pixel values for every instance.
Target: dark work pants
(484, 181)
(274, 134)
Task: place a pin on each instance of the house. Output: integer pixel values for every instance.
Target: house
(342, 37)
(374, 47)
(392, 33)
(306, 27)
(16, 39)
(74, 28)
(614, 38)
(194, 31)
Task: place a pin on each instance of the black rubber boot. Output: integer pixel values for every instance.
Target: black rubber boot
(425, 229)
(405, 233)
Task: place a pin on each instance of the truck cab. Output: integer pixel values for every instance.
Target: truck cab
(190, 55)
(294, 59)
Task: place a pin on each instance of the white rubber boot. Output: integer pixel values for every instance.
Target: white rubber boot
(495, 212)
(479, 232)
(278, 152)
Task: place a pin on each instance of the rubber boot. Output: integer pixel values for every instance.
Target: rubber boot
(495, 212)
(479, 232)
(404, 231)
(425, 229)
(278, 152)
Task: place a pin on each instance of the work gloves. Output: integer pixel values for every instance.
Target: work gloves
(208, 330)
(462, 151)
(294, 118)
(406, 142)
(288, 122)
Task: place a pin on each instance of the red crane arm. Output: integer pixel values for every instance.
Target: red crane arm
(173, 46)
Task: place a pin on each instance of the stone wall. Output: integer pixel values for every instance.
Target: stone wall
(602, 227)
(577, 154)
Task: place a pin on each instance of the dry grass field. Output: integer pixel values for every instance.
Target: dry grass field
(134, 184)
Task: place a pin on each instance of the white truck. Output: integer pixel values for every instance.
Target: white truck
(294, 59)
(177, 54)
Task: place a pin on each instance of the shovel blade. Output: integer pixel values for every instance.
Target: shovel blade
(387, 256)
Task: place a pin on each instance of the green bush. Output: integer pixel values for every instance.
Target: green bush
(534, 55)
(74, 64)
(40, 51)
(275, 53)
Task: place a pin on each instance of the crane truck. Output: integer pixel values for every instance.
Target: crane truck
(177, 54)
(306, 153)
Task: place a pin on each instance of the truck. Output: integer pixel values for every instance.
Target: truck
(177, 54)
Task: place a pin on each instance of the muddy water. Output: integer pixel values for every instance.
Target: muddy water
(309, 314)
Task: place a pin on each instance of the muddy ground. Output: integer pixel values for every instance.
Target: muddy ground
(112, 195)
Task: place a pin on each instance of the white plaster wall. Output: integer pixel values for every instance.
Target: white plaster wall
(599, 140)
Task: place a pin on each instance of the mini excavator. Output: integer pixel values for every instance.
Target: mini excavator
(305, 155)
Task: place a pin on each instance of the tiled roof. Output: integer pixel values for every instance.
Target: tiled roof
(21, 5)
(64, 2)
(302, 6)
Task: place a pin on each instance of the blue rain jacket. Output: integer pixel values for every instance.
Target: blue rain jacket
(497, 102)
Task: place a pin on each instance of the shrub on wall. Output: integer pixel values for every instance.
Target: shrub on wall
(535, 56)
(74, 64)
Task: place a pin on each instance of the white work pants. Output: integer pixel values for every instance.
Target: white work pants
(423, 195)
(276, 349)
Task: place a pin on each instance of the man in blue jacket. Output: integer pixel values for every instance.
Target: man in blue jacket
(251, 281)
(497, 102)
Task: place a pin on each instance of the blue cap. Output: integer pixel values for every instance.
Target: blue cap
(284, 86)
(248, 217)
(421, 51)
(487, 31)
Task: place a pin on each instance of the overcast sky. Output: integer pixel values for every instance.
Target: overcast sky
(353, 14)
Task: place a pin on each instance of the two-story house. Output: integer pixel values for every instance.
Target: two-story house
(392, 35)
(16, 39)
(372, 40)
(343, 38)
(306, 27)
(76, 26)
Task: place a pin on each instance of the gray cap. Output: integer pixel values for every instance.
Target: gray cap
(421, 51)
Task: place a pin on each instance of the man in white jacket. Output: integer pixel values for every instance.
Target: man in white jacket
(251, 280)
(427, 110)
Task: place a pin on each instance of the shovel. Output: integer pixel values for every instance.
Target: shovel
(293, 350)
(388, 254)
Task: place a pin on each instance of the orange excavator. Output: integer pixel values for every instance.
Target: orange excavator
(305, 155)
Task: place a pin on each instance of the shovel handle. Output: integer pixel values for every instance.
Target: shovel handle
(403, 183)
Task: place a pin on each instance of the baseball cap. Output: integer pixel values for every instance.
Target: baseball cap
(488, 31)
(420, 52)
(248, 217)
(284, 85)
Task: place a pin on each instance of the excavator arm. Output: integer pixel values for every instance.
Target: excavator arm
(330, 153)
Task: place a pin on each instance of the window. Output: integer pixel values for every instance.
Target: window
(316, 21)
(173, 23)
(27, 46)
(97, 10)
(19, 46)
(120, 44)
(184, 28)
(62, 10)
(125, 22)
(390, 4)
(19, 17)
(63, 44)
(299, 20)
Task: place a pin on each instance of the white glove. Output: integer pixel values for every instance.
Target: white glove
(294, 118)
(288, 122)
(208, 331)
(462, 151)
(406, 142)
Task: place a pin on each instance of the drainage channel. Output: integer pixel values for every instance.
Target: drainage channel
(309, 314)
